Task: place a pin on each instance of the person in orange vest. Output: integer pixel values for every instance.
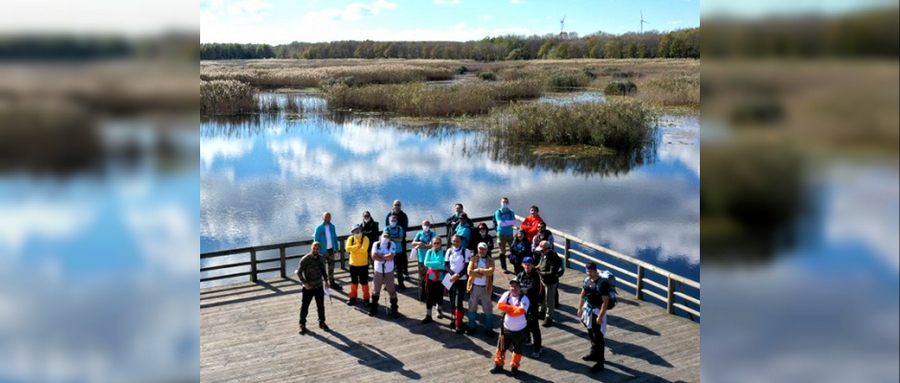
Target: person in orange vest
(531, 222)
(512, 333)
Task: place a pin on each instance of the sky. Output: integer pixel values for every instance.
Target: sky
(280, 21)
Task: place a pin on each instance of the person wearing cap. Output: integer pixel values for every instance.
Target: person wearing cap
(514, 304)
(505, 220)
(551, 268)
(453, 220)
(327, 236)
(464, 230)
(456, 260)
(518, 251)
(383, 255)
(370, 230)
(593, 303)
(421, 244)
(359, 264)
(434, 275)
(398, 236)
(311, 273)
(480, 288)
(530, 223)
(480, 235)
(531, 286)
(542, 235)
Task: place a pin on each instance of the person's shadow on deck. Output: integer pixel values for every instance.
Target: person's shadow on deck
(617, 347)
(367, 354)
(628, 325)
(436, 331)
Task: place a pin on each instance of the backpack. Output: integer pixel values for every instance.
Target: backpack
(611, 279)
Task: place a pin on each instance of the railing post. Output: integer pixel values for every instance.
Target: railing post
(253, 266)
(449, 239)
(566, 252)
(639, 285)
(343, 261)
(283, 259)
(670, 296)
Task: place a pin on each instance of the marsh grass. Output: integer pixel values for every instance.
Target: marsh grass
(309, 77)
(487, 76)
(620, 88)
(674, 90)
(424, 100)
(227, 97)
(615, 124)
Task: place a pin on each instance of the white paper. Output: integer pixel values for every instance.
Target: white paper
(447, 283)
(327, 292)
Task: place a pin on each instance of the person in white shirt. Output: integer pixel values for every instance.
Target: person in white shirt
(515, 305)
(383, 257)
(456, 262)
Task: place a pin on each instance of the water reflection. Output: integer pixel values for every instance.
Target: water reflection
(266, 179)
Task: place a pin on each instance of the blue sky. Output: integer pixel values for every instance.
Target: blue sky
(279, 21)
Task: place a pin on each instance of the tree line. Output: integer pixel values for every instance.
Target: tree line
(684, 43)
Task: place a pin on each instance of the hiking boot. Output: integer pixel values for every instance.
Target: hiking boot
(303, 329)
(548, 322)
(598, 367)
(441, 316)
(351, 302)
(394, 312)
(497, 369)
(324, 326)
(427, 320)
(460, 330)
(590, 358)
(373, 307)
(401, 285)
(513, 371)
(335, 286)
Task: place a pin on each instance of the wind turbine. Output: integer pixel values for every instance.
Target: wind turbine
(561, 23)
(642, 21)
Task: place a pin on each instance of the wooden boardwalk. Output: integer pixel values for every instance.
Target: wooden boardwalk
(248, 333)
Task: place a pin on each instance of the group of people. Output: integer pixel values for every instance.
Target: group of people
(464, 271)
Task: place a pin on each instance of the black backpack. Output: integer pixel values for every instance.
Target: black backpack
(606, 275)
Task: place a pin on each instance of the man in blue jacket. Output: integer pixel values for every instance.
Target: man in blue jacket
(402, 271)
(326, 235)
(505, 219)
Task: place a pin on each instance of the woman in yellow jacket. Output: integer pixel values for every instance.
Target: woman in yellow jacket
(480, 287)
(357, 245)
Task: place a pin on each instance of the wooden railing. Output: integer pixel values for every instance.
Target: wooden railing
(637, 278)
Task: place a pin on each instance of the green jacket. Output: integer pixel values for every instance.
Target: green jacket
(311, 269)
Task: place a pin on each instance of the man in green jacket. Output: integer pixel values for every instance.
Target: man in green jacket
(311, 273)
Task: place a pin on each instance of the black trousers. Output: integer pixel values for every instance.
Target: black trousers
(359, 274)
(434, 294)
(598, 342)
(534, 327)
(319, 294)
(457, 294)
(402, 266)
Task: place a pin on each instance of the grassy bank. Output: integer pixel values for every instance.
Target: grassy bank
(308, 77)
(423, 100)
(615, 125)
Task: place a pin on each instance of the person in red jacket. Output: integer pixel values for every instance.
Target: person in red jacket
(531, 222)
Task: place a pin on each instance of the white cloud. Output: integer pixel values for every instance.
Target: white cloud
(36, 219)
(447, 2)
(675, 22)
(219, 147)
(516, 2)
(253, 9)
(165, 234)
(350, 12)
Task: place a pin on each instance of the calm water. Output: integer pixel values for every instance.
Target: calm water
(268, 180)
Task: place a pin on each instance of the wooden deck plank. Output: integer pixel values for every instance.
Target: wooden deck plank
(249, 334)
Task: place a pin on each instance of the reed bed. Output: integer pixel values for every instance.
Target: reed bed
(616, 124)
(227, 97)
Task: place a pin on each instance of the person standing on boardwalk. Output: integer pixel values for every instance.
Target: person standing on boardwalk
(359, 264)
(403, 223)
(480, 235)
(370, 230)
(505, 219)
(514, 304)
(551, 268)
(383, 255)
(542, 235)
(592, 306)
(531, 286)
(327, 236)
(530, 223)
(464, 230)
(421, 243)
(311, 273)
(480, 287)
(453, 221)
(518, 251)
(434, 290)
(456, 262)
(398, 236)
